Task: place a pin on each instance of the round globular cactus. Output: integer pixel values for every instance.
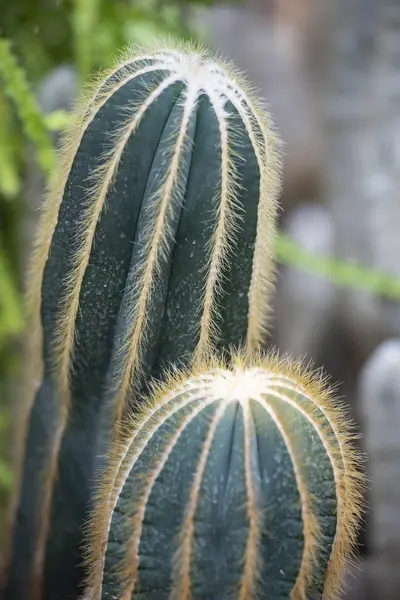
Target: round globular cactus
(234, 483)
(155, 247)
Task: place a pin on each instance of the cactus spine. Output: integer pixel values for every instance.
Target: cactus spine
(155, 247)
(236, 483)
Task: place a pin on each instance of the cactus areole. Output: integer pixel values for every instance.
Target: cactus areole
(155, 247)
(234, 484)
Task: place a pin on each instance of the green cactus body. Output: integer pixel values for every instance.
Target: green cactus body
(235, 484)
(155, 247)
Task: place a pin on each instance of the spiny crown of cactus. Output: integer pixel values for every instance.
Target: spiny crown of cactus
(155, 246)
(233, 482)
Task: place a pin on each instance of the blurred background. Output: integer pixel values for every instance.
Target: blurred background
(330, 73)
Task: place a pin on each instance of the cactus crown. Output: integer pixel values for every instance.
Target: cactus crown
(261, 453)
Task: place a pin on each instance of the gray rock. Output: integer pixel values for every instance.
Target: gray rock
(362, 136)
(305, 302)
(58, 90)
(379, 398)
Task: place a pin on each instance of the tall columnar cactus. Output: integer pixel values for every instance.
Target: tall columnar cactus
(155, 247)
(235, 483)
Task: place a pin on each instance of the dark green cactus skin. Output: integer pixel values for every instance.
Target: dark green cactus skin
(108, 293)
(221, 522)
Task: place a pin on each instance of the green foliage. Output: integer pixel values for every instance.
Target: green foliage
(86, 32)
(16, 87)
(6, 476)
(57, 120)
(11, 320)
(10, 183)
(100, 28)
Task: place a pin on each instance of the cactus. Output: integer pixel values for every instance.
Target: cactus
(235, 482)
(155, 247)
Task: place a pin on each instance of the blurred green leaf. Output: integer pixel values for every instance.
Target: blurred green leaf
(57, 120)
(16, 87)
(85, 17)
(11, 317)
(10, 183)
(344, 273)
(6, 477)
(5, 471)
